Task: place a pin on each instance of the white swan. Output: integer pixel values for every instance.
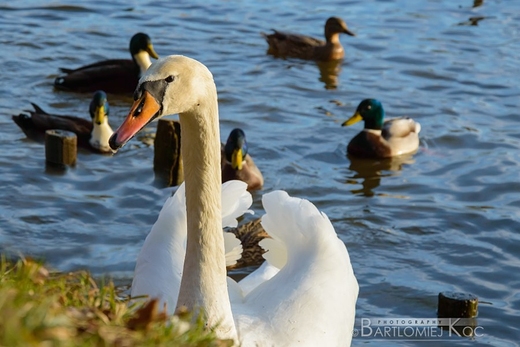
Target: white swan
(311, 300)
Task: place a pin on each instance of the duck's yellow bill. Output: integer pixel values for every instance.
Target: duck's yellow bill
(99, 115)
(152, 52)
(352, 120)
(237, 159)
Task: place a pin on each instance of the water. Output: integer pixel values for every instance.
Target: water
(444, 219)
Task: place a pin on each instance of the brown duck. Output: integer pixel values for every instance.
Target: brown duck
(305, 47)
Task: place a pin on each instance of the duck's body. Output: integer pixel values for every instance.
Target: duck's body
(237, 164)
(382, 138)
(311, 300)
(92, 135)
(284, 44)
(114, 75)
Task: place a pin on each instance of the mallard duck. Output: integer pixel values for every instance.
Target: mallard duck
(308, 299)
(382, 139)
(237, 164)
(305, 47)
(114, 75)
(92, 135)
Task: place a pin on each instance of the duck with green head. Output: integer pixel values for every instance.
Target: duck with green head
(237, 164)
(380, 138)
(114, 75)
(284, 44)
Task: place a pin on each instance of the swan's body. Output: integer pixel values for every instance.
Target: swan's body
(113, 75)
(237, 164)
(380, 138)
(311, 300)
(92, 135)
(305, 47)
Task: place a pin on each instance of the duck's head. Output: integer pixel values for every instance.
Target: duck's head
(336, 25)
(236, 148)
(141, 42)
(369, 110)
(99, 108)
(172, 85)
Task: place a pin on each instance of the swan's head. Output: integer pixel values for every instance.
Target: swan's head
(174, 84)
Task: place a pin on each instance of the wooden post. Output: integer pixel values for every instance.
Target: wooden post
(457, 305)
(60, 147)
(459, 311)
(167, 160)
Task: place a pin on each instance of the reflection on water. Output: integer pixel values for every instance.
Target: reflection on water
(370, 171)
(329, 73)
(477, 3)
(473, 21)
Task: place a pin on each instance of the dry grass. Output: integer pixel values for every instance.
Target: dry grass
(43, 308)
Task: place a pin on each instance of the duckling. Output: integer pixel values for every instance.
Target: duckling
(92, 135)
(119, 76)
(237, 164)
(305, 47)
(382, 139)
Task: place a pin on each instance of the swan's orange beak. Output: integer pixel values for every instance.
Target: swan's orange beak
(143, 111)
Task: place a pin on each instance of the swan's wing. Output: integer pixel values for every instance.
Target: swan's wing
(264, 273)
(236, 201)
(312, 298)
(275, 252)
(158, 269)
(232, 247)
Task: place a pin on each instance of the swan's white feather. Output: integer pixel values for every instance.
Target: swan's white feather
(264, 273)
(312, 298)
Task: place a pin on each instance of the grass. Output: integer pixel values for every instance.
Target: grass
(39, 307)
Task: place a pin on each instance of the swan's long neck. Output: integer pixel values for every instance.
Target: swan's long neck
(203, 285)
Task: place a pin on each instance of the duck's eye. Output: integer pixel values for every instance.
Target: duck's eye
(369, 107)
(169, 79)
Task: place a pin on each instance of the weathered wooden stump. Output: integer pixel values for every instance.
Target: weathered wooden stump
(60, 147)
(457, 305)
(459, 311)
(167, 160)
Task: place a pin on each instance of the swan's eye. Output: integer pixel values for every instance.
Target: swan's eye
(169, 79)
